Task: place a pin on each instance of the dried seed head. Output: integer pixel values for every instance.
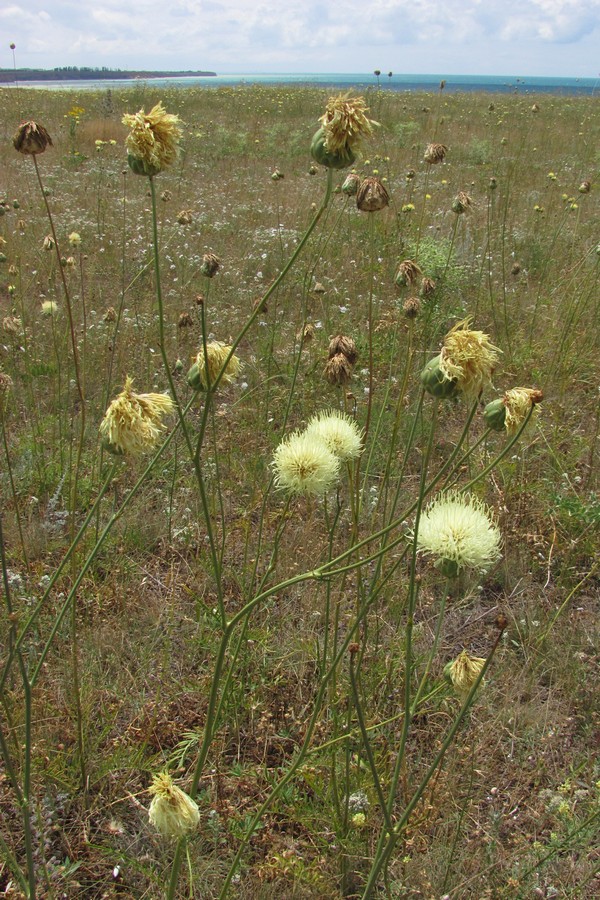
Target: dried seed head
(516, 268)
(184, 217)
(48, 243)
(110, 315)
(12, 324)
(461, 203)
(338, 370)
(210, 265)
(585, 187)
(411, 307)
(435, 153)
(427, 286)
(185, 320)
(31, 138)
(407, 273)
(345, 345)
(372, 195)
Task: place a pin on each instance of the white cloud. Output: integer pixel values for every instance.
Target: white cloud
(307, 35)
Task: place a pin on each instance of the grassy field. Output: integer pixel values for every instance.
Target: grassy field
(283, 656)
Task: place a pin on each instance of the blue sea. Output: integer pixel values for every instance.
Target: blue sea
(504, 84)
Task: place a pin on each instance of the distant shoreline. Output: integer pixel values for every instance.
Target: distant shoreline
(74, 73)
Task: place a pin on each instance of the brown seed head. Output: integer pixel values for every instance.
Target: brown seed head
(338, 370)
(184, 217)
(407, 273)
(31, 138)
(435, 153)
(372, 195)
(411, 307)
(110, 315)
(210, 265)
(185, 320)
(345, 345)
(427, 286)
(461, 203)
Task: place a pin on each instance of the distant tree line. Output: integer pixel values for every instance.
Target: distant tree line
(87, 73)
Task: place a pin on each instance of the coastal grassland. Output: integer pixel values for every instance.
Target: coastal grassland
(122, 578)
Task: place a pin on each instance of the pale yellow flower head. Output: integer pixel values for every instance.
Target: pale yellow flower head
(338, 432)
(153, 139)
(49, 307)
(345, 123)
(460, 531)
(304, 465)
(469, 357)
(74, 239)
(172, 811)
(518, 403)
(205, 369)
(463, 672)
(133, 423)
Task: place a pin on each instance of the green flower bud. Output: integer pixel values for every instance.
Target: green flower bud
(341, 159)
(494, 415)
(193, 378)
(141, 167)
(435, 382)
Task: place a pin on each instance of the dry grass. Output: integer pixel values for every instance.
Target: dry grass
(520, 784)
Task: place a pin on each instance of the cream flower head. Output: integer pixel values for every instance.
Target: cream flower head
(463, 672)
(345, 123)
(338, 432)
(304, 465)
(518, 403)
(461, 532)
(204, 371)
(133, 422)
(153, 140)
(469, 358)
(172, 811)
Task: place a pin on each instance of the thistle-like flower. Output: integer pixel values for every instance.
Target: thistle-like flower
(153, 140)
(463, 672)
(460, 531)
(304, 465)
(133, 422)
(465, 364)
(74, 239)
(31, 138)
(343, 126)
(49, 307)
(510, 411)
(344, 344)
(172, 811)
(462, 203)
(204, 371)
(338, 369)
(407, 273)
(338, 432)
(210, 265)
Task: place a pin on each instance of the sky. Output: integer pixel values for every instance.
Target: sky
(471, 37)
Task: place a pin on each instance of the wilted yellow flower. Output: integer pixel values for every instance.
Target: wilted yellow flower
(304, 465)
(510, 411)
(172, 811)
(469, 357)
(201, 375)
(463, 672)
(461, 532)
(153, 140)
(133, 422)
(339, 433)
(345, 123)
(74, 239)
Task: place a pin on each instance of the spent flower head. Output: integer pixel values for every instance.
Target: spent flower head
(469, 357)
(460, 531)
(345, 123)
(304, 465)
(172, 812)
(338, 432)
(133, 423)
(153, 140)
(205, 370)
(463, 672)
(510, 411)
(31, 138)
